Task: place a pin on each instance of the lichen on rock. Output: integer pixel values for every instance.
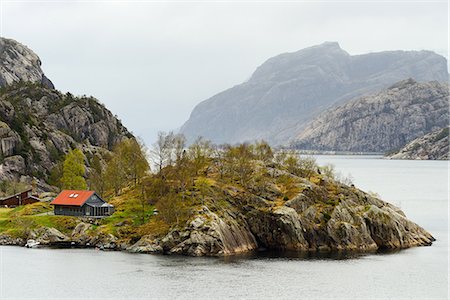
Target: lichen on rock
(353, 221)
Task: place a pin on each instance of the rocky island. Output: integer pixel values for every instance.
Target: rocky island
(432, 146)
(238, 200)
(319, 214)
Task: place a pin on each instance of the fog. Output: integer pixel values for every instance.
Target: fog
(151, 62)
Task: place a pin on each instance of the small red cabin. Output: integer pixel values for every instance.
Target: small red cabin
(81, 204)
(22, 198)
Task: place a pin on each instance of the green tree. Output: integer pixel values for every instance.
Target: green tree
(300, 166)
(263, 152)
(291, 164)
(128, 164)
(172, 209)
(96, 178)
(200, 154)
(73, 171)
(132, 158)
(114, 175)
(239, 160)
(328, 170)
(219, 160)
(203, 186)
(307, 166)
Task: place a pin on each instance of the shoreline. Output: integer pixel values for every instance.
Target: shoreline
(264, 253)
(257, 252)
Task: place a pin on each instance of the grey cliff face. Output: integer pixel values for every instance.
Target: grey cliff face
(39, 125)
(432, 146)
(288, 90)
(19, 64)
(379, 122)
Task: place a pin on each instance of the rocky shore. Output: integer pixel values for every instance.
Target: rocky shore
(323, 216)
(432, 146)
(359, 222)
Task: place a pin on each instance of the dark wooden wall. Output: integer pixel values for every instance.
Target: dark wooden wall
(17, 200)
(61, 210)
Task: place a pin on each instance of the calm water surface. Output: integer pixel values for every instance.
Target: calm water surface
(420, 188)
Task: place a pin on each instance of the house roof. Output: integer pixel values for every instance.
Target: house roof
(34, 198)
(72, 197)
(15, 195)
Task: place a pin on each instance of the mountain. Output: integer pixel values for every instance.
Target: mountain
(434, 145)
(39, 125)
(379, 122)
(288, 90)
(19, 63)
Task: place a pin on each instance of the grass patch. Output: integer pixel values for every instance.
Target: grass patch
(31, 209)
(156, 228)
(19, 226)
(4, 212)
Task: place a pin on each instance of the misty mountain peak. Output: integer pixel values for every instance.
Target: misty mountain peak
(289, 90)
(328, 45)
(326, 56)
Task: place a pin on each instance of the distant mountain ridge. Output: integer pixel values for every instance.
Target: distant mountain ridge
(290, 89)
(381, 121)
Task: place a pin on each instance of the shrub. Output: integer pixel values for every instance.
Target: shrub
(326, 216)
(328, 171)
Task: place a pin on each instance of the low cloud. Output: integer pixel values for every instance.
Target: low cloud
(151, 63)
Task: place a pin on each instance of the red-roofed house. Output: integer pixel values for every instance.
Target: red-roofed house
(82, 204)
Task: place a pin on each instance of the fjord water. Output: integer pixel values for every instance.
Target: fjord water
(420, 188)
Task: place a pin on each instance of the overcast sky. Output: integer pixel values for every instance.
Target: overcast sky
(152, 62)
